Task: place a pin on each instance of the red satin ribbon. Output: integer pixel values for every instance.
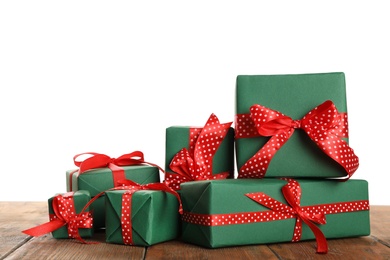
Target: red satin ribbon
(101, 160)
(64, 215)
(196, 163)
(131, 187)
(324, 125)
(292, 193)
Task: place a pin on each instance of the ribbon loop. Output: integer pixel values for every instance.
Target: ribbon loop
(324, 125)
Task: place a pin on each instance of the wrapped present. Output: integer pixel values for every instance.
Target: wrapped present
(270, 210)
(199, 153)
(293, 126)
(142, 215)
(99, 172)
(70, 217)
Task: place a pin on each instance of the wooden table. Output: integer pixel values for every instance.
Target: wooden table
(17, 216)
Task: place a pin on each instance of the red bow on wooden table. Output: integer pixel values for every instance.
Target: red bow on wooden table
(64, 215)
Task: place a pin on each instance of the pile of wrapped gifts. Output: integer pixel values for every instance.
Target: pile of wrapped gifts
(293, 180)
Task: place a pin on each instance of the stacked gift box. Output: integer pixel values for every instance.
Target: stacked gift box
(293, 179)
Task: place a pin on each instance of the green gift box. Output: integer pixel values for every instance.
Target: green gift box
(102, 179)
(292, 95)
(72, 203)
(225, 213)
(154, 217)
(217, 144)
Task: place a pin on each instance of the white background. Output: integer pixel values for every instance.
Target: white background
(110, 76)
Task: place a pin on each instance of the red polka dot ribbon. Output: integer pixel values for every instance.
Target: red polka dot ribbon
(324, 125)
(97, 160)
(310, 215)
(64, 215)
(197, 162)
(132, 187)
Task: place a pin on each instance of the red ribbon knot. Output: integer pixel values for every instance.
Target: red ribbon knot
(292, 193)
(323, 124)
(296, 124)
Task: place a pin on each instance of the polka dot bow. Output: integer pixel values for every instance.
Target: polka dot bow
(292, 194)
(64, 215)
(196, 163)
(324, 125)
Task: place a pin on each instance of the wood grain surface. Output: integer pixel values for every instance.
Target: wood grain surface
(17, 216)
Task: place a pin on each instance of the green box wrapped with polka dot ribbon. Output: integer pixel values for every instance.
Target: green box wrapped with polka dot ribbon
(146, 218)
(261, 211)
(293, 125)
(67, 207)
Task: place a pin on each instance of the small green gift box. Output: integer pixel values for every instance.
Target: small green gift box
(70, 217)
(106, 173)
(199, 153)
(258, 211)
(141, 218)
(292, 126)
(67, 208)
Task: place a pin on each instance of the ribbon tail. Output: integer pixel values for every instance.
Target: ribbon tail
(322, 244)
(44, 228)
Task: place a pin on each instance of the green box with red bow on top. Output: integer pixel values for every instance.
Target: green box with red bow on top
(70, 217)
(199, 153)
(100, 172)
(261, 211)
(293, 126)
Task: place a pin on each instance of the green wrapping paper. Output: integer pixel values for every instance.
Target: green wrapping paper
(196, 153)
(154, 217)
(294, 96)
(210, 198)
(80, 199)
(101, 179)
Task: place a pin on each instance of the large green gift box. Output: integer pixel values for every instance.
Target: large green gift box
(210, 147)
(67, 206)
(154, 217)
(102, 179)
(266, 98)
(255, 211)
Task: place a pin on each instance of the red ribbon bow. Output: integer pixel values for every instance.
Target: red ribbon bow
(196, 163)
(64, 214)
(324, 125)
(98, 160)
(292, 194)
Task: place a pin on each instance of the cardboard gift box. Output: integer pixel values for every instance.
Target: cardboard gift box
(101, 178)
(261, 211)
(70, 217)
(142, 218)
(292, 126)
(199, 153)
